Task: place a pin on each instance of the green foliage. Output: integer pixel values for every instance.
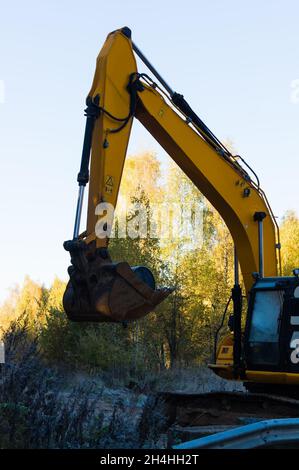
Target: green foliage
(13, 424)
(290, 242)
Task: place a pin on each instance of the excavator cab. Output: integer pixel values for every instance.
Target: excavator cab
(272, 327)
(266, 354)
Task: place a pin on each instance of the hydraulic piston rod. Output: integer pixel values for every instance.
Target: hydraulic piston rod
(259, 217)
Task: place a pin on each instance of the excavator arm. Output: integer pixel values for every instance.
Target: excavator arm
(219, 179)
(100, 290)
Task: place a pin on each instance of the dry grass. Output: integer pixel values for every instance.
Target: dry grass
(194, 380)
(44, 407)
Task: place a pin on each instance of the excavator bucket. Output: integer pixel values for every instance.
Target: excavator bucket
(102, 291)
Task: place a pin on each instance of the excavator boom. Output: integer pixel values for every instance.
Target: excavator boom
(118, 94)
(102, 290)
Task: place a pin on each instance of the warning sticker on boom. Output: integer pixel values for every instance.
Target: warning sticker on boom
(109, 183)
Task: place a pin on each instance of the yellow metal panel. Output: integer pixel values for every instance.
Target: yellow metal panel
(283, 378)
(223, 370)
(115, 64)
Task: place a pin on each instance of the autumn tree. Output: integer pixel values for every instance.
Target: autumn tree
(289, 232)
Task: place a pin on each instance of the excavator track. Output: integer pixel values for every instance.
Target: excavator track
(191, 415)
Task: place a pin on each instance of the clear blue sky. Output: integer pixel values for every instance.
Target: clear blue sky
(234, 61)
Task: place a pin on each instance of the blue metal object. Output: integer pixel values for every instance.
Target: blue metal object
(145, 275)
(263, 433)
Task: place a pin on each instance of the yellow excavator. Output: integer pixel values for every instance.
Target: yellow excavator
(266, 351)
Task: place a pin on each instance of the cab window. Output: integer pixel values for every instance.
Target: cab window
(264, 329)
